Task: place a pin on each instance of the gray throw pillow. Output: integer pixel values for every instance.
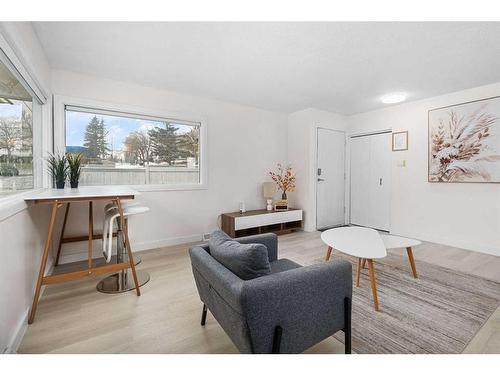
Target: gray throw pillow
(247, 261)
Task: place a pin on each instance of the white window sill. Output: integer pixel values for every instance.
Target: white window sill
(13, 204)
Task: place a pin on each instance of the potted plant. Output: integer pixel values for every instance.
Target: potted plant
(285, 179)
(58, 168)
(74, 163)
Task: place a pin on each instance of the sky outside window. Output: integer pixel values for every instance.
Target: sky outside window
(118, 128)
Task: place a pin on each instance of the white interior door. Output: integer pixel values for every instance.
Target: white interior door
(371, 181)
(330, 175)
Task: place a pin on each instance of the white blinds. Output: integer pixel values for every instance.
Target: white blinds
(139, 116)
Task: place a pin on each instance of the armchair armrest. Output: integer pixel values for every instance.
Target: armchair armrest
(307, 303)
(270, 240)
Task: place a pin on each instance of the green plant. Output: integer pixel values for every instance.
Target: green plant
(75, 168)
(58, 168)
(8, 170)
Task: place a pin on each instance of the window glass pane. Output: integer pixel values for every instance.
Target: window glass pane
(16, 135)
(128, 150)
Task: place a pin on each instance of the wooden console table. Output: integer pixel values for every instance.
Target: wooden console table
(237, 224)
(58, 198)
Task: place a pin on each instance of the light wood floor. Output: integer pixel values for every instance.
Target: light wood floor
(75, 318)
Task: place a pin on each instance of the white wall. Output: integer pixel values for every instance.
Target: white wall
(243, 145)
(301, 138)
(22, 235)
(465, 215)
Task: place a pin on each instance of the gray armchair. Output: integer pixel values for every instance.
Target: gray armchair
(287, 311)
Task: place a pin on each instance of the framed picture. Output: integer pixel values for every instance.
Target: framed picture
(464, 142)
(400, 141)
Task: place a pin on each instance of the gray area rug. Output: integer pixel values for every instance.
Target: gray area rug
(440, 312)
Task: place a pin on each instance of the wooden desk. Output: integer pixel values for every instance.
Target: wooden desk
(58, 198)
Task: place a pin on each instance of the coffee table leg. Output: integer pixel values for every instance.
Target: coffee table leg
(373, 283)
(358, 274)
(412, 262)
(328, 253)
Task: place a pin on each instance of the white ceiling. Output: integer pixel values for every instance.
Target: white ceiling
(339, 67)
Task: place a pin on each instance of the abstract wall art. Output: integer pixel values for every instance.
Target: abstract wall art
(464, 142)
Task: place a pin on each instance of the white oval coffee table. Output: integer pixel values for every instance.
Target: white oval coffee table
(363, 243)
(397, 242)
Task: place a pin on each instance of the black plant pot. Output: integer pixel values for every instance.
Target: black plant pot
(60, 184)
(74, 184)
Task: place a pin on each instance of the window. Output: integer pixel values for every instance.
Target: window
(129, 149)
(16, 134)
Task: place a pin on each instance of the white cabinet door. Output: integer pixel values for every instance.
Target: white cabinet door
(371, 181)
(330, 175)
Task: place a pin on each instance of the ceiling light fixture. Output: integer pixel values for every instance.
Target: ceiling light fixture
(396, 97)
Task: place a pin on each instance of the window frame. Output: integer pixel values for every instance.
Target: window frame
(13, 203)
(59, 131)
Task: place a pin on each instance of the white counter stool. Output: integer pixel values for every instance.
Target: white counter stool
(125, 204)
(121, 281)
(107, 208)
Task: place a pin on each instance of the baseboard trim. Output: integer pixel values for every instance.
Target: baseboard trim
(19, 333)
(172, 241)
(479, 248)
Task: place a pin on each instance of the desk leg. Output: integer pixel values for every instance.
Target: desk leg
(127, 244)
(373, 283)
(412, 262)
(62, 234)
(43, 262)
(328, 253)
(91, 235)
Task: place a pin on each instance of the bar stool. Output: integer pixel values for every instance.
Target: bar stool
(123, 280)
(106, 227)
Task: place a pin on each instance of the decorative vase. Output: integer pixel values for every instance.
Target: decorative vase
(60, 184)
(283, 196)
(74, 184)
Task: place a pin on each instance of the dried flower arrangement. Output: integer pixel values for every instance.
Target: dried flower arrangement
(459, 148)
(284, 178)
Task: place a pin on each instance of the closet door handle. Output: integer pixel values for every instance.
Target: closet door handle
(380, 181)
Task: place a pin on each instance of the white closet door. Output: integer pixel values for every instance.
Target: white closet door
(371, 181)
(360, 172)
(380, 181)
